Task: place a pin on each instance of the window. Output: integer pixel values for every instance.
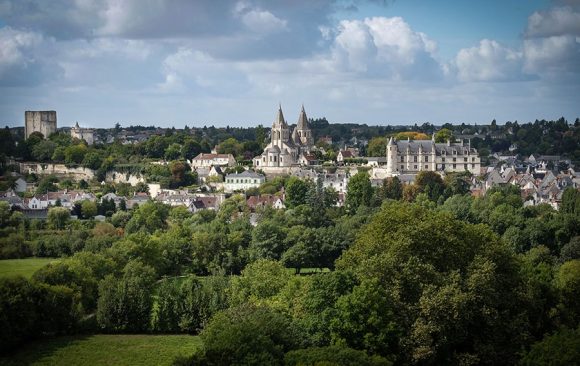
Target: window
(426, 159)
(473, 166)
(465, 166)
(415, 167)
(443, 159)
(473, 159)
(465, 159)
(443, 166)
(402, 167)
(454, 160)
(426, 166)
(454, 166)
(402, 159)
(415, 159)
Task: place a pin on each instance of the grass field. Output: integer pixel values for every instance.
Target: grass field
(101, 349)
(25, 267)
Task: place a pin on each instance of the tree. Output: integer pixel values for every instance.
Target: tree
(333, 355)
(359, 191)
(259, 280)
(571, 201)
(559, 349)
(75, 154)
(58, 217)
(88, 209)
(5, 212)
(190, 149)
(296, 192)
(173, 152)
(43, 150)
(148, 217)
(125, 304)
(431, 184)
(392, 188)
(444, 135)
(377, 146)
(248, 335)
(93, 160)
(456, 291)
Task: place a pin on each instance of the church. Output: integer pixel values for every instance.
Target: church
(285, 148)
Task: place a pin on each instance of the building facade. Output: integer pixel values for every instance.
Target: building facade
(412, 157)
(285, 148)
(39, 121)
(209, 160)
(86, 134)
(243, 181)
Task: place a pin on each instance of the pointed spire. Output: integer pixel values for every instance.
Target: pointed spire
(280, 118)
(391, 141)
(302, 120)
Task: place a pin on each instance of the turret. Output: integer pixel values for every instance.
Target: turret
(392, 152)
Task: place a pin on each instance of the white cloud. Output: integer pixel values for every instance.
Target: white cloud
(554, 22)
(386, 46)
(258, 20)
(14, 47)
(489, 61)
(552, 55)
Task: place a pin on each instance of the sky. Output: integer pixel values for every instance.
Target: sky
(231, 62)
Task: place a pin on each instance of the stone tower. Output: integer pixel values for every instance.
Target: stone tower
(280, 130)
(392, 152)
(302, 134)
(39, 121)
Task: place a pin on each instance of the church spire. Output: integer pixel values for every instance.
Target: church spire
(302, 120)
(280, 118)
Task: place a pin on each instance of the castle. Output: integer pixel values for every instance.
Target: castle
(285, 148)
(412, 157)
(86, 134)
(39, 121)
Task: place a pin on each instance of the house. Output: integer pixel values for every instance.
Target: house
(307, 160)
(376, 160)
(138, 199)
(256, 202)
(343, 155)
(209, 160)
(337, 181)
(204, 203)
(243, 181)
(20, 185)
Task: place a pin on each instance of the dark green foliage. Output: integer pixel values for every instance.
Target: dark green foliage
(359, 192)
(248, 335)
(125, 303)
(30, 310)
(559, 349)
(332, 355)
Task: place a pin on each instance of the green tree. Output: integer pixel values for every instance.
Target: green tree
(377, 146)
(359, 191)
(248, 335)
(173, 152)
(58, 217)
(296, 192)
(44, 150)
(88, 209)
(444, 135)
(125, 304)
(559, 349)
(259, 281)
(75, 154)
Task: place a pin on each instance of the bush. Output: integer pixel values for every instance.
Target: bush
(333, 355)
(14, 246)
(248, 335)
(559, 349)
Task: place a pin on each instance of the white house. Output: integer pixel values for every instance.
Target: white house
(242, 181)
(208, 160)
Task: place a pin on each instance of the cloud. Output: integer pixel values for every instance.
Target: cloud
(489, 61)
(386, 47)
(25, 58)
(552, 42)
(554, 22)
(259, 20)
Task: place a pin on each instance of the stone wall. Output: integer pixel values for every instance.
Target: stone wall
(60, 170)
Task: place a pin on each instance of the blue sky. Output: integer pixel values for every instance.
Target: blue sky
(230, 62)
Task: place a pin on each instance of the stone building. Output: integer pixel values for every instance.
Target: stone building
(412, 157)
(39, 121)
(86, 134)
(285, 148)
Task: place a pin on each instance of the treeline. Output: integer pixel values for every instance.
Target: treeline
(420, 274)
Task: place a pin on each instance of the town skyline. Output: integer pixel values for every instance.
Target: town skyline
(177, 63)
